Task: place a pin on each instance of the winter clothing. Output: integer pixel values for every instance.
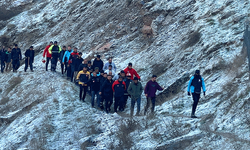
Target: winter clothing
(151, 88)
(63, 64)
(132, 72)
(66, 56)
(119, 87)
(135, 90)
(133, 101)
(106, 66)
(107, 93)
(8, 61)
(16, 56)
(195, 84)
(80, 68)
(3, 58)
(73, 64)
(30, 55)
(78, 63)
(46, 52)
(152, 100)
(98, 63)
(55, 51)
(113, 72)
(83, 78)
(94, 83)
(48, 59)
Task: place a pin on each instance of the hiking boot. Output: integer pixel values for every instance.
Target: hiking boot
(137, 114)
(193, 116)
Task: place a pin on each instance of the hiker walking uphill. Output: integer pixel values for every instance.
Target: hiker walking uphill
(135, 90)
(65, 61)
(83, 77)
(8, 60)
(30, 55)
(63, 65)
(47, 54)
(3, 57)
(73, 63)
(150, 92)
(16, 56)
(106, 66)
(98, 62)
(54, 50)
(107, 93)
(95, 88)
(119, 86)
(132, 71)
(195, 84)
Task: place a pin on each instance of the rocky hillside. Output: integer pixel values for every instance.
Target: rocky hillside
(41, 110)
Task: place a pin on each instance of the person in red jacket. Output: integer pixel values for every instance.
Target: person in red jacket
(132, 71)
(48, 55)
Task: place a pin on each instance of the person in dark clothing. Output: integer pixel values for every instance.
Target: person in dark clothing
(54, 50)
(84, 63)
(80, 61)
(3, 57)
(195, 84)
(73, 63)
(8, 60)
(98, 63)
(16, 56)
(30, 55)
(63, 64)
(83, 77)
(95, 88)
(103, 78)
(119, 87)
(150, 92)
(121, 73)
(47, 54)
(127, 80)
(90, 67)
(107, 93)
(135, 90)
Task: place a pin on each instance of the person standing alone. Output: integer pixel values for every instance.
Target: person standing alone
(195, 84)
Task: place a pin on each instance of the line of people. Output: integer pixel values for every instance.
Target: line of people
(10, 58)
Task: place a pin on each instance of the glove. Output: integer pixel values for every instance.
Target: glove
(204, 93)
(189, 94)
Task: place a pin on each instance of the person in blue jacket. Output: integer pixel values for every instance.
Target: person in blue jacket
(195, 84)
(65, 60)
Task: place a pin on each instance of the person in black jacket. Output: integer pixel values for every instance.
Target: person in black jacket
(107, 93)
(119, 86)
(16, 56)
(127, 80)
(63, 64)
(95, 88)
(103, 78)
(3, 57)
(73, 63)
(98, 63)
(30, 55)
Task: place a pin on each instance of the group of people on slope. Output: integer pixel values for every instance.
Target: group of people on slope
(10, 58)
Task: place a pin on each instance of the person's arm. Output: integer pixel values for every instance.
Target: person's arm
(104, 67)
(189, 84)
(50, 49)
(124, 85)
(136, 74)
(113, 85)
(78, 75)
(141, 89)
(146, 90)
(64, 56)
(130, 90)
(45, 50)
(20, 55)
(159, 87)
(203, 86)
(101, 65)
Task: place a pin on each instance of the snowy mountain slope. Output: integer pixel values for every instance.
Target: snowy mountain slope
(186, 35)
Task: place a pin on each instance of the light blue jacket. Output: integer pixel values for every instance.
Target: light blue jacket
(190, 87)
(67, 54)
(106, 66)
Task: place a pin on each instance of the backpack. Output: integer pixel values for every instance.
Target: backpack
(197, 83)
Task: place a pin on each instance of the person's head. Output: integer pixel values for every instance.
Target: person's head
(85, 68)
(89, 63)
(105, 75)
(120, 78)
(96, 69)
(9, 49)
(16, 45)
(154, 78)
(55, 43)
(197, 72)
(94, 74)
(130, 65)
(110, 73)
(128, 75)
(50, 43)
(110, 67)
(64, 48)
(122, 73)
(31, 47)
(69, 48)
(75, 49)
(98, 57)
(136, 80)
(109, 77)
(110, 60)
(80, 54)
(102, 72)
(3, 46)
(85, 61)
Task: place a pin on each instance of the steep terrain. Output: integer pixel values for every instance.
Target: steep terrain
(41, 110)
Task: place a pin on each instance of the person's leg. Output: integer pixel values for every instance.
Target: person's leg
(121, 103)
(7, 65)
(116, 103)
(2, 66)
(62, 67)
(93, 98)
(81, 88)
(84, 93)
(13, 65)
(47, 62)
(147, 105)
(132, 107)
(72, 73)
(196, 98)
(125, 101)
(101, 101)
(53, 64)
(138, 106)
(153, 104)
(18, 64)
(26, 65)
(56, 60)
(69, 72)
(31, 65)
(66, 68)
